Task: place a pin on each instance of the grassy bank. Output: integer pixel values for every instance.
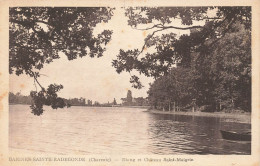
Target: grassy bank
(238, 117)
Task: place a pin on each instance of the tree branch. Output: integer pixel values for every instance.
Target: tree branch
(41, 21)
(161, 26)
(40, 48)
(148, 38)
(224, 32)
(28, 22)
(142, 29)
(35, 78)
(35, 85)
(180, 28)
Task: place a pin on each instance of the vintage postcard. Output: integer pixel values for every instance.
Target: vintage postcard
(129, 82)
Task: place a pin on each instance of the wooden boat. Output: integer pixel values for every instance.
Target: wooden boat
(236, 136)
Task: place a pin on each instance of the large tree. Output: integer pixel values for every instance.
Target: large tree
(168, 48)
(230, 68)
(220, 78)
(176, 87)
(39, 34)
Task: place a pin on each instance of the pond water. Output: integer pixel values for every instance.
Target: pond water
(118, 130)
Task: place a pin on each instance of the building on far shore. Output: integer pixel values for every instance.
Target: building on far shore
(130, 101)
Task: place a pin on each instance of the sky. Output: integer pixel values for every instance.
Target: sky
(94, 78)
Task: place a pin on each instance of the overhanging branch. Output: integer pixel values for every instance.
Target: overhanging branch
(162, 27)
(35, 79)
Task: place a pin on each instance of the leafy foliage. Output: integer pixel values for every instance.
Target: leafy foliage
(173, 87)
(220, 78)
(39, 34)
(170, 49)
(47, 97)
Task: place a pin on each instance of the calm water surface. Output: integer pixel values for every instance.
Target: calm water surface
(90, 130)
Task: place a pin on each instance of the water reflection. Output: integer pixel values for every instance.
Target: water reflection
(194, 135)
(85, 130)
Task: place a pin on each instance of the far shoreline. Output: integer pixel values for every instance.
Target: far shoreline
(240, 117)
(120, 106)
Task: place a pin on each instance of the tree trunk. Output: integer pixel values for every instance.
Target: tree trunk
(174, 107)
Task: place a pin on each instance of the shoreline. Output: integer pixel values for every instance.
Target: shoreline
(143, 107)
(239, 117)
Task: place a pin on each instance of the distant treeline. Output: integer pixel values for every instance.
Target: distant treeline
(18, 98)
(76, 101)
(82, 102)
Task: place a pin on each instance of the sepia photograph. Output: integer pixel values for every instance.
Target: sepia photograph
(129, 80)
